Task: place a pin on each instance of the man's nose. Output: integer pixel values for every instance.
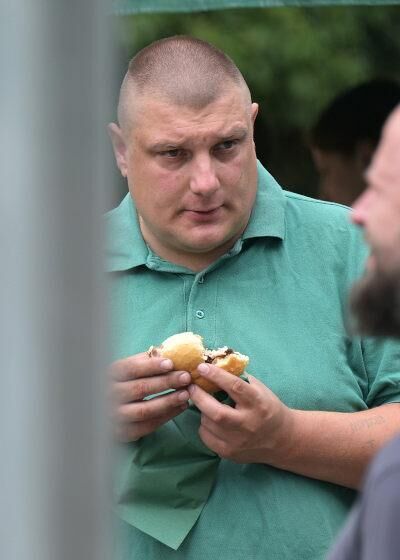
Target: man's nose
(360, 208)
(204, 180)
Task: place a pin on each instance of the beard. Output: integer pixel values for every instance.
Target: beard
(375, 303)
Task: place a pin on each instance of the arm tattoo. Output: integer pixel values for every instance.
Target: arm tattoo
(360, 425)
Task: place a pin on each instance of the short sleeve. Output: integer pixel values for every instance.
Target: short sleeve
(376, 361)
(382, 364)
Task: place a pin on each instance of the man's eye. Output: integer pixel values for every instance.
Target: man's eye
(172, 153)
(227, 145)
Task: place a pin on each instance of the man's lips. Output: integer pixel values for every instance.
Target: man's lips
(204, 210)
(203, 214)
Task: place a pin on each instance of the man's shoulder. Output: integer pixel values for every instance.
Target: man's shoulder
(317, 208)
(311, 214)
(323, 226)
(118, 213)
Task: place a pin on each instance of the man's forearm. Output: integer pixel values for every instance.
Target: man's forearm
(331, 446)
(335, 446)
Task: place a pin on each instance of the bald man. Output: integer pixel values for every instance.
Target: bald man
(207, 241)
(372, 530)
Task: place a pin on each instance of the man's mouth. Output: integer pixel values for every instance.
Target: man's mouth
(204, 214)
(204, 210)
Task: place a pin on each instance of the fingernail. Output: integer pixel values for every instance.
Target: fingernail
(203, 368)
(183, 396)
(191, 389)
(185, 378)
(166, 364)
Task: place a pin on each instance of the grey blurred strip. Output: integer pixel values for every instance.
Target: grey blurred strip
(55, 74)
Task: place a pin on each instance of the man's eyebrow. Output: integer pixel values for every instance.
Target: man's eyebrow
(164, 145)
(239, 131)
(236, 132)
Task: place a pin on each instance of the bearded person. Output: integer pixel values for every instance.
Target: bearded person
(376, 300)
(371, 532)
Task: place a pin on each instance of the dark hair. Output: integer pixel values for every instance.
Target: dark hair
(355, 115)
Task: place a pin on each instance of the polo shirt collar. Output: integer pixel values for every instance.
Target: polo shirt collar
(125, 246)
(268, 216)
(127, 249)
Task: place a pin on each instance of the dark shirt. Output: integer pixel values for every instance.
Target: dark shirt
(372, 531)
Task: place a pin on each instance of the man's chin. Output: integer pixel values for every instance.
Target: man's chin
(375, 303)
(208, 241)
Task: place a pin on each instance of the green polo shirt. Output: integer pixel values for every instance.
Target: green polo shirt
(280, 296)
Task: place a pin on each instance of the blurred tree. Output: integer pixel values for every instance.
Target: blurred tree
(294, 60)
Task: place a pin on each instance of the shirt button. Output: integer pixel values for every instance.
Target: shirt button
(201, 279)
(199, 314)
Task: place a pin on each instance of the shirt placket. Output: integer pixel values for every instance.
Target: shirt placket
(201, 307)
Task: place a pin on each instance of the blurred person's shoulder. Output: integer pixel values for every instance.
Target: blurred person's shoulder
(371, 531)
(386, 464)
(380, 504)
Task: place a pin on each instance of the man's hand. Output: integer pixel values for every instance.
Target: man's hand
(137, 377)
(331, 446)
(255, 430)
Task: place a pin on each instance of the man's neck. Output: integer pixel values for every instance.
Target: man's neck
(195, 261)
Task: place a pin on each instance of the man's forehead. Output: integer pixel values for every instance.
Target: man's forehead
(385, 167)
(142, 99)
(224, 116)
(232, 93)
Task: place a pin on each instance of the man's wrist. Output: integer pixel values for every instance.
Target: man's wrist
(284, 450)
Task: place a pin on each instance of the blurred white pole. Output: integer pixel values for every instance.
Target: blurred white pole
(55, 78)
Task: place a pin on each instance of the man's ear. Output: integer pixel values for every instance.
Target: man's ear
(254, 112)
(119, 147)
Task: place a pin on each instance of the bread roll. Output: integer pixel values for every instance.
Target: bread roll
(186, 350)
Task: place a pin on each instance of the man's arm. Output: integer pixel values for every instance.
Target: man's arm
(337, 446)
(331, 446)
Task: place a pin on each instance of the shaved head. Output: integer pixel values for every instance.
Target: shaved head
(181, 70)
(185, 144)
(376, 297)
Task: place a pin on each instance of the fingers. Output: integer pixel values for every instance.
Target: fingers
(217, 412)
(239, 390)
(148, 410)
(128, 391)
(126, 433)
(138, 377)
(140, 365)
(213, 441)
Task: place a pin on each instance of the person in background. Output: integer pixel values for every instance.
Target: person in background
(345, 136)
(207, 241)
(372, 531)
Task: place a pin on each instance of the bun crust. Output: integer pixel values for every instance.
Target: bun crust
(234, 363)
(186, 350)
